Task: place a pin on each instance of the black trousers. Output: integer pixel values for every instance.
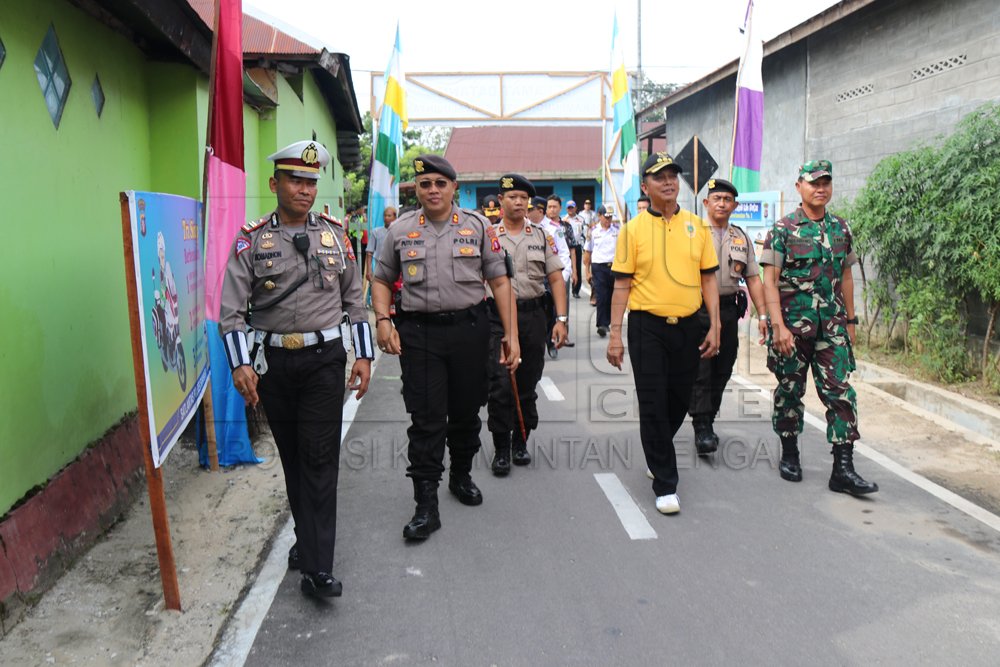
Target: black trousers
(579, 274)
(714, 372)
(604, 286)
(303, 397)
(501, 409)
(444, 385)
(664, 364)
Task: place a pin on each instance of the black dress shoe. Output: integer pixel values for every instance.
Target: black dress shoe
(293, 557)
(465, 490)
(321, 585)
(520, 455)
(569, 344)
(602, 331)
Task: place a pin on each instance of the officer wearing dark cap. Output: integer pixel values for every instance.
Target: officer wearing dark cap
(664, 269)
(491, 208)
(736, 263)
(292, 275)
(809, 286)
(442, 333)
(533, 256)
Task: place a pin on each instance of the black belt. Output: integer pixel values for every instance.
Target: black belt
(528, 305)
(728, 301)
(669, 319)
(607, 264)
(447, 317)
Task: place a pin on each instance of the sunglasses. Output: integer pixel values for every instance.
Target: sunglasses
(439, 183)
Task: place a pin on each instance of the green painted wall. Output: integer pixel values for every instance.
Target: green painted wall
(64, 345)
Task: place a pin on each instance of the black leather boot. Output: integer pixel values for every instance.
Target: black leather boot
(705, 440)
(790, 468)
(519, 450)
(501, 455)
(426, 518)
(461, 485)
(844, 479)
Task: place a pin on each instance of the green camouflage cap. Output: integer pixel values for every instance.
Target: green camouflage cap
(814, 169)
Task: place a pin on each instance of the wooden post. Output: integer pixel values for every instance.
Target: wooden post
(154, 475)
(696, 188)
(206, 400)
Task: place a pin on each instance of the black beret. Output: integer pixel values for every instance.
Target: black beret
(657, 161)
(434, 164)
(490, 203)
(516, 182)
(720, 185)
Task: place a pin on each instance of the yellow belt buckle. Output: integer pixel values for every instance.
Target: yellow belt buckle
(672, 320)
(293, 341)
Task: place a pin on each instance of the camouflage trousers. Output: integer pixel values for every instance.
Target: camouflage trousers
(831, 360)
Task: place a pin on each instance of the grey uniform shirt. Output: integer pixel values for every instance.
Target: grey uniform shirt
(736, 258)
(443, 269)
(534, 255)
(263, 264)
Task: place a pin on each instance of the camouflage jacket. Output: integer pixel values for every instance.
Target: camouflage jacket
(811, 257)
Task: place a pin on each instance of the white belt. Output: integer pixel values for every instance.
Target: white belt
(296, 341)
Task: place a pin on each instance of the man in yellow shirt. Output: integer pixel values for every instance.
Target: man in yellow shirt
(664, 268)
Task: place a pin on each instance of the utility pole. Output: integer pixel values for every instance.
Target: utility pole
(638, 28)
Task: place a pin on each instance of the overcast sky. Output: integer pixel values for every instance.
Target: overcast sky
(681, 40)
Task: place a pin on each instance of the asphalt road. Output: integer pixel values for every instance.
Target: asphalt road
(567, 561)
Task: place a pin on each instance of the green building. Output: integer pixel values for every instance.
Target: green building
(98, 97)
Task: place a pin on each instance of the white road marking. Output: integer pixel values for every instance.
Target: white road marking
(632, 518)
(244, 625)
(551, 390)
(958, 502)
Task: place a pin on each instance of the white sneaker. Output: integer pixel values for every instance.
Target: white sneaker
(669, 504)
(649, 473)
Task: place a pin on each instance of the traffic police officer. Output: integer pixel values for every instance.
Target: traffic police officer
(533, 255)
(664, 268)
(598, 255)
(809, 290)
(442, 337)
(736, 263)
(293, 276)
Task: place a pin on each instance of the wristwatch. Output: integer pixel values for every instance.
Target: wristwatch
(852, 320)
(562, 318)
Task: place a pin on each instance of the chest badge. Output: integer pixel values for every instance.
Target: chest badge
(326, 238)
(465, 232)
(412, 270)
(269, 284)
(465, 250)
(411, 253)
(413, 235)
(266, 235)
(267, 245)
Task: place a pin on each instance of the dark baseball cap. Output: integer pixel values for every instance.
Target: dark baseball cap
(658, 161)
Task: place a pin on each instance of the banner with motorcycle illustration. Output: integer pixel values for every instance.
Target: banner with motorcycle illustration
(169, 272)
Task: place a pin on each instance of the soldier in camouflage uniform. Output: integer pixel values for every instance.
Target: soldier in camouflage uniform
(809, 291)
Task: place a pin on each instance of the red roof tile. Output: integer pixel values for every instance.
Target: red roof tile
(258, 37)
(533, 151)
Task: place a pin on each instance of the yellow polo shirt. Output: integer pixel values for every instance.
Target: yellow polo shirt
(665, 260)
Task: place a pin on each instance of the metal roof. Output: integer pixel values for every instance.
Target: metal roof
(558, 153)
(259, 38)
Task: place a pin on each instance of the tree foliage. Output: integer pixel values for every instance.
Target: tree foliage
(416, 141)
(928, 220)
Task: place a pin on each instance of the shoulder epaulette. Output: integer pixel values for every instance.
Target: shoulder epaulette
(477, 215)
(332, 220)
(255, 224)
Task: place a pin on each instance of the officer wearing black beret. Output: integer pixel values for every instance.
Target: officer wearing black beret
(442, 333)
(736, 263)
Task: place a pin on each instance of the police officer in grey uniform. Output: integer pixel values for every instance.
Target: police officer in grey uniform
(734, 249)
(533, 256)
(292, 275)
(442, 333)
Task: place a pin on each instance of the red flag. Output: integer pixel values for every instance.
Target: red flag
(226, 177)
